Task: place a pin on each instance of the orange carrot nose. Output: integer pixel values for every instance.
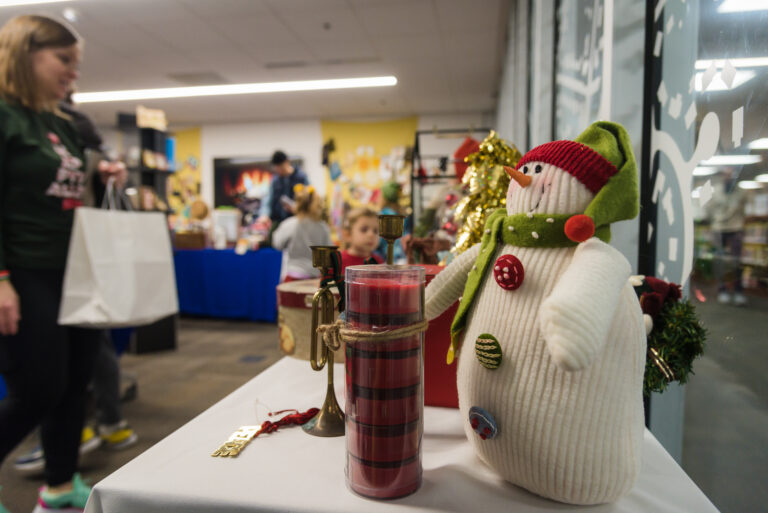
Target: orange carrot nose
(523, 179)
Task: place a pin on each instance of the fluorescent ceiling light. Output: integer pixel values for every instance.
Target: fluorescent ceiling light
(762, 178)
(743, 5)
(219, 90)
(745, 62)
(732, 160)
(717, 83)
(750, 184)
(9, 3)
(704, 171)
(759, 144)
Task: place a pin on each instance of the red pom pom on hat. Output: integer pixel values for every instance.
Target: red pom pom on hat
(579, 228)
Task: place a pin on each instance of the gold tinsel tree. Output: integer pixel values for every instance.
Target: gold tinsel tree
(485, 184)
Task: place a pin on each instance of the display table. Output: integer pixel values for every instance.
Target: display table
(292, 471)
(221, 283)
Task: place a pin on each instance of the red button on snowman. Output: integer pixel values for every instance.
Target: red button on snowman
(508, 272)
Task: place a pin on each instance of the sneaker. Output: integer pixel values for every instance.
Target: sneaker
(117, 436)
(89, 442)
(73, 501)
(723, 297)
(2, 508)
(34, 460)
(739, 299)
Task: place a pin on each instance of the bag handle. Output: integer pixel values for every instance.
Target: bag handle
(111, 195)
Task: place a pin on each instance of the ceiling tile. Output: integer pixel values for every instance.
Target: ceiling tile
(385, 19)
(335, 51)
(430, 103)
(117, 12)
(468, 15)
(369, 3)
(482, 45)
(474, 82)
(420, 46)
(265, 38)
(474, 102)
(293, 5)
(126, 40)
(189, 34)
(322, 23)
(226, 8)
(445, 53)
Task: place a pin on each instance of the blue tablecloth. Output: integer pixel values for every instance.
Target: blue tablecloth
(220, 283)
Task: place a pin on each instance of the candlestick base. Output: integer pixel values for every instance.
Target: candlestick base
(329, 421)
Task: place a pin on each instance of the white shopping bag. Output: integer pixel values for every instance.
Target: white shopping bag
(119, 270)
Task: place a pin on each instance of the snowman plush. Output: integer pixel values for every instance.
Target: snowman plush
(552, 336)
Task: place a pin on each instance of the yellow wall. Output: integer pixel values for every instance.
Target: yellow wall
(184, 184)
(369, 154)
(352, 139)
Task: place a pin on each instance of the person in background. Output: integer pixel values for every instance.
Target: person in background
(113, 430)
(726, 211)
(361, 236)
(279, 205)
(295, 235)
(47, 367)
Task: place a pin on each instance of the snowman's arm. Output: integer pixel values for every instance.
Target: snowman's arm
(576, 317)
(449, 283)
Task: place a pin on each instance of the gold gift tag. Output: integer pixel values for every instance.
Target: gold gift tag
(237, 442)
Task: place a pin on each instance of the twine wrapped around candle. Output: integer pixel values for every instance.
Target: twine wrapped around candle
(334, 334)
(383, 338)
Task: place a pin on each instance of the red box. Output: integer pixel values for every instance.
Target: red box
(439, 377)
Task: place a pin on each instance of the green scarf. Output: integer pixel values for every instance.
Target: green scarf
(550, 229)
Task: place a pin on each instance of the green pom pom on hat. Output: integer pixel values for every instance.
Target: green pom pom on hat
(619, 198)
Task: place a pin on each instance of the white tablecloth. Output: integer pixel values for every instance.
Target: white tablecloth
(292, 471)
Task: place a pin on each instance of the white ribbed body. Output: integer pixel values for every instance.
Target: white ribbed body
(567, 397)
(573, 436)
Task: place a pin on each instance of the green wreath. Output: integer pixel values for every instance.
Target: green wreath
(677, 337)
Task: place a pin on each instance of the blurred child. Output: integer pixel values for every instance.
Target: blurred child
(296, 234)
(361, 234)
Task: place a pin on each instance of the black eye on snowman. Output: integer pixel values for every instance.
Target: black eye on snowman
(538, 168)
(525, 170)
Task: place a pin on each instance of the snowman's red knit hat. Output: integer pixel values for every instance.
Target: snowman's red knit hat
(601, 158)
(579, 160)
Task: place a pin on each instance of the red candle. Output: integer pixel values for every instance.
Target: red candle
(385, 391)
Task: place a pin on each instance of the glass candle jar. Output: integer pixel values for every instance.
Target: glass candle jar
(384, 381)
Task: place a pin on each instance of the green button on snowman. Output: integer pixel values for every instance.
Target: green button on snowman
(557, 407)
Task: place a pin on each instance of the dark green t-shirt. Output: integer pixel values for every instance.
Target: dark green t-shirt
(41, 182)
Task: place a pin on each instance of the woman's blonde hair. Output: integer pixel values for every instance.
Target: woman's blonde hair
(19, 38)
(308, 202)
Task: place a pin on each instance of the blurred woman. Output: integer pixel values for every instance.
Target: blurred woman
(296, 234)
(46, 366)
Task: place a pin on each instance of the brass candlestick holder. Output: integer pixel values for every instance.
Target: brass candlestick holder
(391, 229)
(329, 421)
